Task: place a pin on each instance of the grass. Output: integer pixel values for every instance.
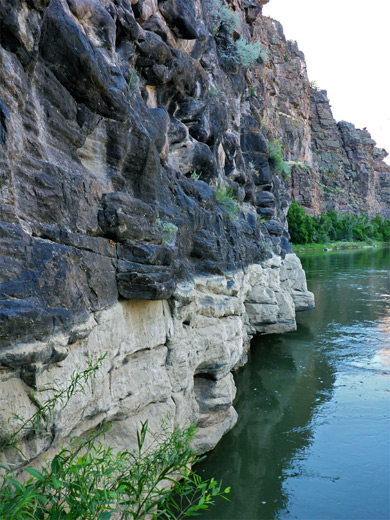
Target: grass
(227, 200)
(318, 248)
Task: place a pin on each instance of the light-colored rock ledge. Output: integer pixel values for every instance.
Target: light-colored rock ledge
(167, 360)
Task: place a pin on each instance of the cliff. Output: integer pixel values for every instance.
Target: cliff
(333, 164)
(141, 213)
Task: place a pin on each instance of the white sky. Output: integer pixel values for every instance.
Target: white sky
(347, 48)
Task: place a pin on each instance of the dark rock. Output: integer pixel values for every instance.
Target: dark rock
(39, 5)
(178, 131)
(69, 54)
(218, 117)
(96, 21)
(274, 227)
(200, 129)
(125, 218)
(155, 25)
(4, 115)
(262, 175)
(204, 162)
(205, 246)
(154, 50)
(149, 254)
(180, 16)
(252, 138)
(191, 110)
(139, 281)
(16, 30)
(265, 199)
(26, 319)
(159, 127)
(286, 245)
(127, 26)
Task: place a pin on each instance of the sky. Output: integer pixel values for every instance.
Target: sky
(347, 48)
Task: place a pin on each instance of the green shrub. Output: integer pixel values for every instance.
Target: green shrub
(168, 231)
(248, 52)
(297, 224)
(300, 164)
(214, 92)
(133, 81)
(195, 176)
(88, 480)
(275, 155)
(226, 200)
(225, 22)
(223, 19)
(252, 165)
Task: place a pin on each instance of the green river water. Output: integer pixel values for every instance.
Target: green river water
(312, 438)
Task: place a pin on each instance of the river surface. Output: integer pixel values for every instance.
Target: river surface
(312, 438)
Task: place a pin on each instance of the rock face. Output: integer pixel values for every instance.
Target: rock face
(333, 165)
(167, 360)
(125, 128)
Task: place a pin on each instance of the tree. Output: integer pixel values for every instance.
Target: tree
(297, 224)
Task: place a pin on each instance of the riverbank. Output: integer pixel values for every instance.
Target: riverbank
(330, 246)
(311, 441)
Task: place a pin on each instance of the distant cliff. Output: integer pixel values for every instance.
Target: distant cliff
(334, 165)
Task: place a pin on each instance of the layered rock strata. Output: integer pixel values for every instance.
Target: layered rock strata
(333, 165)
(125, 128)
(140, 213)
(166, 360)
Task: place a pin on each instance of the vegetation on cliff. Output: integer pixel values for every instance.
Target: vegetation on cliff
(332, 226)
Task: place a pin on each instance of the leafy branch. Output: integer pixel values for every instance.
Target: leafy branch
(89, 480)
(60, 396)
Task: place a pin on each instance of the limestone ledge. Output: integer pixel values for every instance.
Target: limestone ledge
(167, 360)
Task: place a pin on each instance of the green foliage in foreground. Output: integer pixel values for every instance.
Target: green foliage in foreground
(333, 227)
(88, 480)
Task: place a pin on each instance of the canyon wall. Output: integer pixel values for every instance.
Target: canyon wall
(141, 214)
(333, 164)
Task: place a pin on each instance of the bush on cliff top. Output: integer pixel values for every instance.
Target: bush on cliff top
(225, 22)
(222, 18)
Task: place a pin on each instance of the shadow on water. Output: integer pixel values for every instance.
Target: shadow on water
(278, 393)
(294, 384)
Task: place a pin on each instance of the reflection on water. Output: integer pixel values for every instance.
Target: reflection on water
(312, 440)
